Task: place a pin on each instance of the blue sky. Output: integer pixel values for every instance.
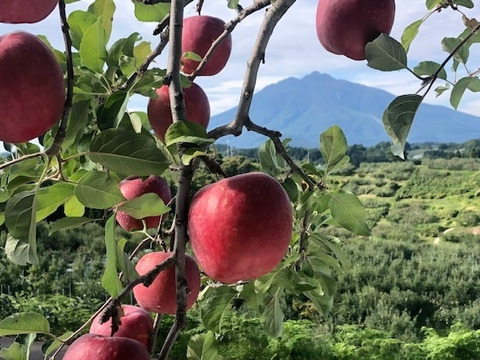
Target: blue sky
(293, 51)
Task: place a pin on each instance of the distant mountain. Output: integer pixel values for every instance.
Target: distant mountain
(303, 108)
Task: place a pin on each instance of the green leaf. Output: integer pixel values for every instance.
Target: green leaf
(77, 121)
(431, 4)
(110, 113)
(57, 343)
(79, 21)
(151, 13)
(471, 83)
(291, 188)
(333, 245)
(429, 68)
(74, 208)
(439, 90)
(333, 146)
(128, 153)
(215, 302)
(187, 132)
(450, 45)
(466, 3)
(98, 190)
(123, 262)
(69, 223)
(322, 297)
(203, 347)
(15, 351)
(232, 4)
(93, 50)
(50, 198)
(24, 323)
(149, 204)
(189, 55)
(410, 33)
(190, 154)
(267, 156)
(398, 118)
(349, 212)
(272, 316)
(110, 280)
(385, 54)
(104, 10)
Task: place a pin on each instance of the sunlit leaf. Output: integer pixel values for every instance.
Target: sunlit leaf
(431, 4)
(149, 204)
(74, 208)
(409, 34)
(349, 212)
(79, 21)
(187, 132)
(333, 146)
(385, 54)
(104, 10)
(98, 190)
(93, 47)
(24, 323)
(151, 13)
(50, 198)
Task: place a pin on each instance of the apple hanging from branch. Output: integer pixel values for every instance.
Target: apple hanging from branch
(25, 11)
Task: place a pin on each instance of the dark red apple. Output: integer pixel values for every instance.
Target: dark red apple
(25, 11)
(199, 32)
(240, 227)
(160, 296)
(160, 112)
(344, 27)
(98, 347)
(136, 323)
(32, 90)
(134, 187)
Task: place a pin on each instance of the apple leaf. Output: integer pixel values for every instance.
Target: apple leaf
(398, 118)
(349, 212)
(128, 153)
(93, 52)
(20, 210)
(148, 204)
(79, 21)
(104, 10)
(77, 121)
(450, 45)
(110, 281)
(98, 190)
(124, 264)
(466, 3)
(232, 4)
(385, 54)
(50, 198)
(69, 223)
(216, 302)
(468, 82)
(431, 4)
(20, 348)
(74, 208)
(322, 297)
(332, 244)
(110, 113)
(272, 316)
(410, 33)
(57, 343)
(203, 347)
(24, 323)
(429, 68)
(151, 13)
(333, 146)
(187, 132)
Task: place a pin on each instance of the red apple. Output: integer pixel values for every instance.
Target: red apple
(133, 187)
(160, 296)
(240, 227)
(136, 323)
(25, 11)
(160, 112)
(98, 347)
(32, 90)
(199, 32)
(344, 27)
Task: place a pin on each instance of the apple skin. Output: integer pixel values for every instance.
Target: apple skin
(240, 227)
(159, 111)
(344, 27)
(98, 347)
(199, 32)
(25, 11)
(136, 324)
(160, 296)
(32, 90)
(133, 187)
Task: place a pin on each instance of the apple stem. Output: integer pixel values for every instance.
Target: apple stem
(55, 149)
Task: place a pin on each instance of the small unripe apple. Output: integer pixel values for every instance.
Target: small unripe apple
(98, 347)
(136, 324)
(344, 27)
(25, 11)
(160, 296)
(32, 90)
(160, 112)
(240, 227)
(133, 187)
(199, 33)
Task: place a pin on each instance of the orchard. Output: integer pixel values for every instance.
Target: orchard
(75, 147)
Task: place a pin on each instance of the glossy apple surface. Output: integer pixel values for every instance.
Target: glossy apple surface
(134, 187)
(98, 347)
(344, 27)
(240, 227)
(32, 90)
(136, 323)
(160, 112)
(160, 296)
(25, 11)
(199, 32)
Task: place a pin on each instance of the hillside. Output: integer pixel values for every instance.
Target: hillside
(303, 108)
